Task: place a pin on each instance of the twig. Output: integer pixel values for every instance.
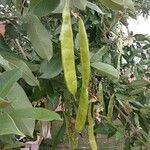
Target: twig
(20, 48)
(133, 127)
(118, 18)
(125, 117)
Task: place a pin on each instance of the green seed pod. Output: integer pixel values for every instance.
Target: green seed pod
(85, 65)
(91, 136)
(67, 51)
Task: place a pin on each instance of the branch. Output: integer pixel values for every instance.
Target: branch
(20, 48)
(132, 126)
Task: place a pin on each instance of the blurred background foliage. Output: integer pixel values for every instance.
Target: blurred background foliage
(121, 107)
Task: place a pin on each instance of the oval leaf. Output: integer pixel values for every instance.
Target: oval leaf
(39, 37)
(106, 70)
(43, 7)
(36, 113)
(60, 7)
(139, 83)
(80, 4)
(118, 4)
(19, 100)
(112, 5)
(98, 55)
(4, 63)
(7, 79)
(105, 128)
(8, 126)
(94, 7)
(27, 75)
(51, 69)
(13, 62)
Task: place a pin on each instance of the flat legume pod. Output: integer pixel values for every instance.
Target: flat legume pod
(92, 139)
(85, 65)
(67, 51)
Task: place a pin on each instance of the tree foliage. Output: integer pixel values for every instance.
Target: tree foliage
(32, 73)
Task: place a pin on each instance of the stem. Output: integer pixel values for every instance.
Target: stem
(21, 49)
(75, 101)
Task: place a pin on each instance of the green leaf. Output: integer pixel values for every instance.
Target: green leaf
(9, 142)
(94, 7)
(4, 63)
(143, 123)
(118, 4)
(98, 55)
(80, 4)
(27, 75)
(145, 111)
(110, 108)
(140, 37)
(45, 88)
(4, 103)
(43, 7)
(59, 136)
(139, 83)
(39, 37)
(145, 62)
(8, 126)
(13, 56)
(11, 62)
(36, 113)
(106, 70)
(60, 7)
(137, 91)
(51, 69)
(105, 128)
(128, 4)
(3, 45)
(101, 97)
(7, 80)
(122, 97)
(112, 5)
(19, 100)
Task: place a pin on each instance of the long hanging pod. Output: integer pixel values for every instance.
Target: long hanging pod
(67, 50)
(85, 65)
(92, 139)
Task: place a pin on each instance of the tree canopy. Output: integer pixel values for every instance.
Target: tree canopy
(73, 63)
